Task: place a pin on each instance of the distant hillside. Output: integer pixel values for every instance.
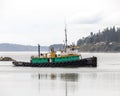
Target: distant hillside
(106, 41)
(18, 47)
(100, 47)
(57, 47)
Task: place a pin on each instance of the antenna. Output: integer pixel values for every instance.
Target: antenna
(38, 50)
(65, 34)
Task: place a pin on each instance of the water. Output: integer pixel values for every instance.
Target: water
(101, 81)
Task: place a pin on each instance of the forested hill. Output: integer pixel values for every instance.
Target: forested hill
(106, 40)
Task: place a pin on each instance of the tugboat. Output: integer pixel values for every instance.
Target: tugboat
(68, 57)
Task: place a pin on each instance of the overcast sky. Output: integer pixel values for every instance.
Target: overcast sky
(31, 22)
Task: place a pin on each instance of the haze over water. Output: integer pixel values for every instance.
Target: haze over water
(27, 81)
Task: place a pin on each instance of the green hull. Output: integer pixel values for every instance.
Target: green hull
(86, 62)
(39, 60)
(57, 59)
(65, 59)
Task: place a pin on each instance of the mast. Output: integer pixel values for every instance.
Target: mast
(38, 50)
(65, 36)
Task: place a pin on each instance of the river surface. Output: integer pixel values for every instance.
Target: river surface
(27, 81)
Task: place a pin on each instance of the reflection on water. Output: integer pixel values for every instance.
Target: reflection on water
(69, 77)
(52, 76)
(76, 84)
(65, 77)
(67, 83)
(60, 84)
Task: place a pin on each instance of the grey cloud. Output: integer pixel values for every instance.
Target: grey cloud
(88, 19)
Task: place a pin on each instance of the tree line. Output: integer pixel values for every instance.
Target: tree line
(108, 35)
